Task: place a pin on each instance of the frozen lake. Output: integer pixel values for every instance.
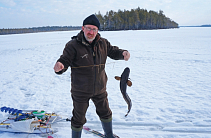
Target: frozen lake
(170, 71)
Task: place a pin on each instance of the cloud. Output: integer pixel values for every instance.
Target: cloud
(7, 3)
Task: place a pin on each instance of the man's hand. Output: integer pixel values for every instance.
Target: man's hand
(126, 55)
(58, 67)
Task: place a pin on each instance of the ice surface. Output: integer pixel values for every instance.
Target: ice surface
(170, 71)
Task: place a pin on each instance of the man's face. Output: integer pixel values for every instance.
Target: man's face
(90, 32)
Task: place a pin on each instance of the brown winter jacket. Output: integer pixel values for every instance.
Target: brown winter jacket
(88, 64)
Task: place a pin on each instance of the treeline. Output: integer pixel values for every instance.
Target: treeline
(206, 25)
(135, 19)
(38, 29)
(198, 26)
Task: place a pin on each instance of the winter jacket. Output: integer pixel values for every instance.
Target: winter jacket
(87, 63)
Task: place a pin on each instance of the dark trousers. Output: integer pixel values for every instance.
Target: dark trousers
(81, 103)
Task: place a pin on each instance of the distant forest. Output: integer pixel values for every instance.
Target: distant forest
(38, 29)
(135, 19)
(208, 25)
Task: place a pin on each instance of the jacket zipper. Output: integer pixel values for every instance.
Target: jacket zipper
(94, 59)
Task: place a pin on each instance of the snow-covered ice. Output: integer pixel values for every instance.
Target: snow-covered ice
(170, 71)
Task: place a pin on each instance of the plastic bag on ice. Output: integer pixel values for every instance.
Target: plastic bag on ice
(23, 126)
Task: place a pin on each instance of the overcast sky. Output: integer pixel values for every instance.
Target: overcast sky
(36, 13)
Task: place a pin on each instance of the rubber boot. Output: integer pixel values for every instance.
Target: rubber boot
(107, 127)
(76, 132)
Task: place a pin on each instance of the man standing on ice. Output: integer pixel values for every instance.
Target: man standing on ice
(86, 54)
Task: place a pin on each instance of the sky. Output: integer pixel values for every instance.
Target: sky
(37, 13)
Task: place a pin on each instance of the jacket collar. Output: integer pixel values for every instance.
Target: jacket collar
(80, 37)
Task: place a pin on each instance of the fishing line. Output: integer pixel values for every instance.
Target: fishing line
(111, 63)
(93, 65)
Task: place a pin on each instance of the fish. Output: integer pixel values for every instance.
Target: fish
(124, 82)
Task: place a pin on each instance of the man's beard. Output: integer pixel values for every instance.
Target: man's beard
(89, 39)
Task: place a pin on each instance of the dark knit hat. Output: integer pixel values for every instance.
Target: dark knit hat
(92, 20)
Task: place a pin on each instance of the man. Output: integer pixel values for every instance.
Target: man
(86, 54)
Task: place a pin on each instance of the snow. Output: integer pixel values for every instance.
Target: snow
(170, 72)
